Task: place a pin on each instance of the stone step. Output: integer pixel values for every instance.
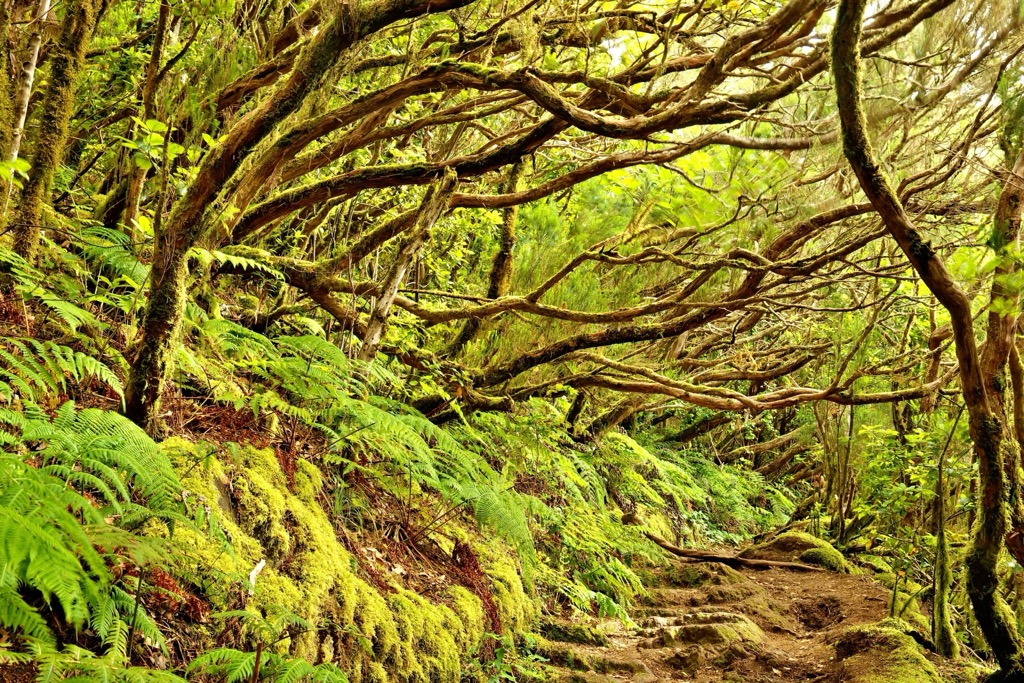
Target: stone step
(701, 628)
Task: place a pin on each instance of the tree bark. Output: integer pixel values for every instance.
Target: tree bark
(137, 176)
(28, 75)
(434, 203)
(57, 109)
(199, 212)
(501, 268)
(986, 427)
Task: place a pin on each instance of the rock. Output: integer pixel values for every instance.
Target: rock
(874, 564)
(796, 546)
(706, 628)
(690, 575)
(731, 654)
(881, 652)
(687, 660)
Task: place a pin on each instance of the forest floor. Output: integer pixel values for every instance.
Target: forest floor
(709, 623)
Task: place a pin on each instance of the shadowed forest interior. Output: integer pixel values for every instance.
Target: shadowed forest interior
(388, 341)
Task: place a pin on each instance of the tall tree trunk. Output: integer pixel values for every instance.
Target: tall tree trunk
(57, 108)
(6, 105)
(978, 375)
(501, 268)
(28, 75)
(943, 634)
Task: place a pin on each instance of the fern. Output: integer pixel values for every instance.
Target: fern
(70, 486)
(208, 257)
(33, 370)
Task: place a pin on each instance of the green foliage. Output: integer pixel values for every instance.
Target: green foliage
(235, 666)
(32, 370)
(72, 489)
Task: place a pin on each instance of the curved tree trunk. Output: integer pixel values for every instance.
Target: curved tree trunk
(980, 373)
(198, 214)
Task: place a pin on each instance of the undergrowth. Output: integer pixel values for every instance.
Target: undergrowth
(109, 539)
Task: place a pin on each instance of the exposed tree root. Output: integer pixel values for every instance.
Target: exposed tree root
(730, 560)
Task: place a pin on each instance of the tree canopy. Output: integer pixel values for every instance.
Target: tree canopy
(783, 235)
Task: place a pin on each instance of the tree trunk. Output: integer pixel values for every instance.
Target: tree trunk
(28, 75)
(57, 109)
(199, 211)
(137, 177)
(986, 428)
(943, 634)
(501, 268)
(6, 106)
(159, 334)
(433, 205)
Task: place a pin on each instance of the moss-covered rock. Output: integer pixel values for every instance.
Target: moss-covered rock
(694, 575)
(797, 546)
(569, 632)
(827, 557)
(706, 628)
(881, 653)
(874, 564)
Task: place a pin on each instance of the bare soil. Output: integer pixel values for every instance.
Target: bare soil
(801, 616)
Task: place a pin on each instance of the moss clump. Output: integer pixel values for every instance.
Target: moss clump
(881, 653)
(696, 575)
(568, 632)
(874, 564)
(395, 637)
(827, 557)
(515, 608)
(796, 546)
(707, 628)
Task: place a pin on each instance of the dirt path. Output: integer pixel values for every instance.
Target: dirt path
(707, 622)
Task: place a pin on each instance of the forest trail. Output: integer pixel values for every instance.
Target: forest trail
(707, 622)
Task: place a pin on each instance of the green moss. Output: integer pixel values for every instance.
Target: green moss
(707, 628)
(695, 575)
(401, 636)
(796, 546)
(881, 653)
(515, 608)
(568, 632)
(874, 564)
(827, 557)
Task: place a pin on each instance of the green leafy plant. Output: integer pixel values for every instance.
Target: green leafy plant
(263, 664)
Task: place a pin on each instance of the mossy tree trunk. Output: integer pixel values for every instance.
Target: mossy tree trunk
(54, 120)
(6, 104)
(500, 277)
(137, 176)
(226, 174)
(943, 634)
(434, 204)
(981, 372)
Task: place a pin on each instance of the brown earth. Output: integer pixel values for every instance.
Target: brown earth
(709, 623)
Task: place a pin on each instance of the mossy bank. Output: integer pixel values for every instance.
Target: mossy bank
(367, 622)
